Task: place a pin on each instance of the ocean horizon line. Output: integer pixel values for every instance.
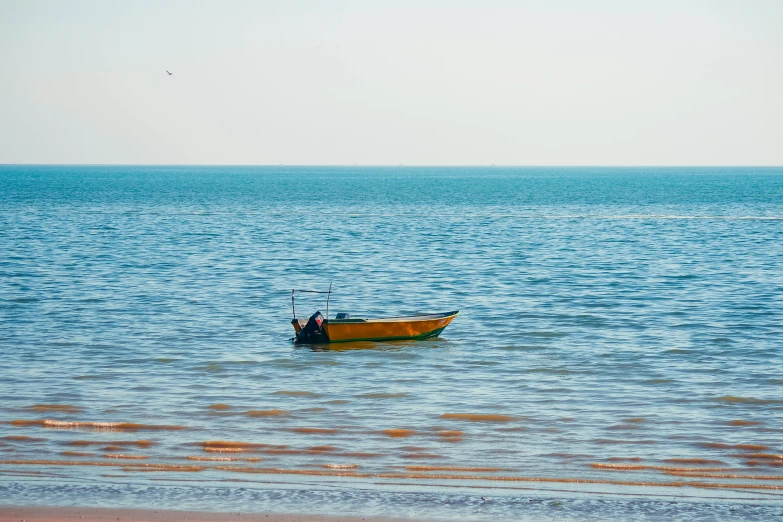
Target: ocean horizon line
(390, 165)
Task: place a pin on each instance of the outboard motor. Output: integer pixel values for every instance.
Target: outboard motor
(313, 332)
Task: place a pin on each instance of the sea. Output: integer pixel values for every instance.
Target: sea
(618, 353)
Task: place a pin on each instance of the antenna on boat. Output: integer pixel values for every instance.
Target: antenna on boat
(294, 291)
(328, 295)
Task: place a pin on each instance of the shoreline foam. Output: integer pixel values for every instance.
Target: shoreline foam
(73, 514)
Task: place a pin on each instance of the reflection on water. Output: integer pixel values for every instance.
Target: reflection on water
(390, 346)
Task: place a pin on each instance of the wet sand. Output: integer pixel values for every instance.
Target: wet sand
(71, 514)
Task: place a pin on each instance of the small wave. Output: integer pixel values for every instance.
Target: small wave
(544, 334)
(478, 417)
(242, 447)
(292, 451)
(451, 435)
(294, 393)
(694, 461)
(624, 467)
(422, 456)
(77, 454)
(96, 426)
(660, 216)
(398, 433)
(730, 399)
(618, 441)
(164, 467)
(744, 423)
(227, 445)
(278, 471)
(764, 456)
(766, 463)
(123, 456)
(212, 368)
(323, 448)
(67, 408)
(568, 455)
(266, 413)
(152, 467)
(639, 467)
(322, 431)
(23, 438)
(58, 463)
(725, 475)
(361, 454)
(138, 443)
(551, 371)
(383, 395)
(722, 340)
(721, 445)
(454, 468)
(216, 459)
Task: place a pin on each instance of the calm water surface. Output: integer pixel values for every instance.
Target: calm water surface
(620, 340)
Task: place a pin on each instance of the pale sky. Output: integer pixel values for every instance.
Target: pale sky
(425, 82)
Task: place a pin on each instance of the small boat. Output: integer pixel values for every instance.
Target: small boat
(319, 329)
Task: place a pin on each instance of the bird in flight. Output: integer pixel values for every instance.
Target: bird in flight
(169, 72)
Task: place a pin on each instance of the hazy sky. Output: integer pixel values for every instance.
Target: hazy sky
(422, 82)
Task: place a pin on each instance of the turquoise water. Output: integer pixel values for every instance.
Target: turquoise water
(619, 339)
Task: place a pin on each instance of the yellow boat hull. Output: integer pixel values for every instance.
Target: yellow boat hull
(390, 329)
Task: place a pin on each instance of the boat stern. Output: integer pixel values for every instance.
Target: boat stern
(298, 325)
